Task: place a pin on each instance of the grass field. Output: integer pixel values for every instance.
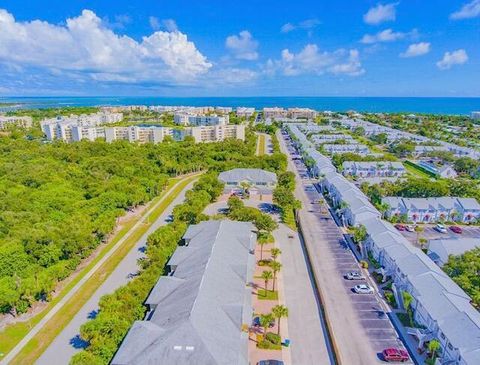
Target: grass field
(261, 144)
(416, 171)
(35, 347)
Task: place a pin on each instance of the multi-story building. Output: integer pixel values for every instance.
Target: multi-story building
(273, 113)
(243, 112)
(430, 210)
(141, 134)
(199, 120)
(301, 113)
(63, 127)
(329, 138)
(199, 314)
(359, 149)
(373, 169)
(475, 115)
(216, 133)
(223, 109)
(439, 305)
(23, 122)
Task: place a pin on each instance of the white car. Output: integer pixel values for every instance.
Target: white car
(354, 275)
(410, 228)
(441, 228)
(363, 289)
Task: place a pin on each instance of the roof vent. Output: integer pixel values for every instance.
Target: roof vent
(177, 348)
(189, 348)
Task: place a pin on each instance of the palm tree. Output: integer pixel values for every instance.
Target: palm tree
(276, 266)
(418, 229)
(266, 276)
(433, 347)
(261, 243)
(265, 320)
(279, 311)
(275, 252)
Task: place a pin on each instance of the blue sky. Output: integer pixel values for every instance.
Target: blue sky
(241, 48)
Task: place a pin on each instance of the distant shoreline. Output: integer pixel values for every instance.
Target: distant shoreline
(424, 105)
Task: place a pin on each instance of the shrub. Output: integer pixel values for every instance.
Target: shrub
(364, 264)
(273, 338)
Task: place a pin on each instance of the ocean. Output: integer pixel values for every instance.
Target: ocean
(427, 105)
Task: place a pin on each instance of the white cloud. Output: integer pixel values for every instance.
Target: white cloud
(380, 13)
(387, 35)
(307, 24)
(416, 49)
(167, 24)
(310, 60)
(154, 23)
(243, 46)
(469, 10)
(458, 57)
(85, 46)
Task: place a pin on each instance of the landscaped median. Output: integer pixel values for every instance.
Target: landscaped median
(116, 250)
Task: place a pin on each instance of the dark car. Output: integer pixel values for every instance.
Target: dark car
(395, 355)
(270, 362)
(456, 229)
(256, 322)
(400, 227)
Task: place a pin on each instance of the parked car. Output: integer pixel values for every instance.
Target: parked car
(440, 228)
(363, 289)
(395, 355)
(256, 322)
(354, 275)
(410, 228)
(400, 227)
(270, 362)
(456, 229)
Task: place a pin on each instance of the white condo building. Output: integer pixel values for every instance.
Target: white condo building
(243, 112)
(24, 122)
(199, 120)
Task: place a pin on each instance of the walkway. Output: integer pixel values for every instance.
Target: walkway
(67, 343)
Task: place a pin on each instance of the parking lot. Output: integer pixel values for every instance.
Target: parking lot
(368, 309)
(430, 233)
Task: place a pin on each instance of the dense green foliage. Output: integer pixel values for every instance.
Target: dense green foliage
(120, 309)
(421, 188)
(39, 114)
(59, 201)
(283, 197)
(464, 269)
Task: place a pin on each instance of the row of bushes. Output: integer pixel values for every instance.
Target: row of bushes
(120, 309)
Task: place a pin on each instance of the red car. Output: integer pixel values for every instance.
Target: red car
(400, 227)
(395, 355)
(456, 229)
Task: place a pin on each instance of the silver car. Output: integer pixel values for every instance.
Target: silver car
(363, 289)
(354, 275)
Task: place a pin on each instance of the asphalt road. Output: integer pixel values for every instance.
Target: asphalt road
(67, 343)
(359, 324)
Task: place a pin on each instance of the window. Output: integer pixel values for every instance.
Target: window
(442, 336)
(450, 347)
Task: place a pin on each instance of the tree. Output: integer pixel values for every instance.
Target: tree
(279, 312)
(433, 347)
(284, 197)
(261, 243)
(265, 321)
(275, 252)
(265, 223)
(234, 203)
(266, 276)
(276, 267)
(287, 180)
(418, 230)
(359, 233)
(383, 208)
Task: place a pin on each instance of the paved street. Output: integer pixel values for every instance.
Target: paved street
(305, 329)
(358, 323)
(67, 343)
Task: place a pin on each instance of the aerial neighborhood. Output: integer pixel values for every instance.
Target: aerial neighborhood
(382, 218)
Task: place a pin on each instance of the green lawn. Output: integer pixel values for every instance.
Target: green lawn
(35, 347)
(270, 295)
(412, 169)
(261, 144)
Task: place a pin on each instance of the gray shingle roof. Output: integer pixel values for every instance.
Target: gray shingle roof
(253, 175)
(442, 248)
(198, 312)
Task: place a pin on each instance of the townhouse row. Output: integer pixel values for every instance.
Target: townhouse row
(439, 304)
(373, 169)
(432, 210)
